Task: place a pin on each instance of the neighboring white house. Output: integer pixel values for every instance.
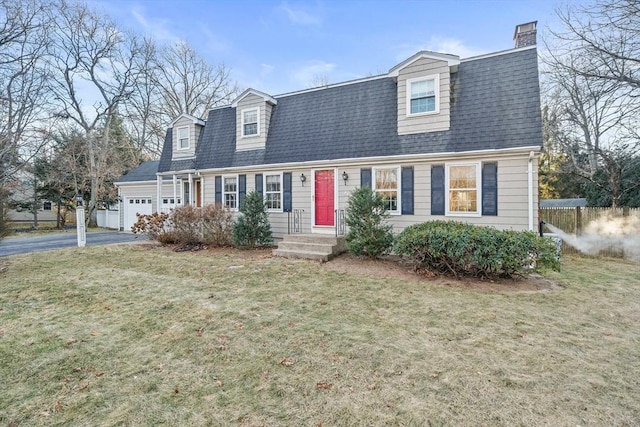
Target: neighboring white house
(440, 137)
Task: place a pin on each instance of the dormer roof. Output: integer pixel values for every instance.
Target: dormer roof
(194, 119)
(266, 97)
(451, 60)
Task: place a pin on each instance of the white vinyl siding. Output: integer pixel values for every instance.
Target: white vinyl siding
(463, 189)
(386, 182)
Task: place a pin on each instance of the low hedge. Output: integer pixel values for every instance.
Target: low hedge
(461, 249)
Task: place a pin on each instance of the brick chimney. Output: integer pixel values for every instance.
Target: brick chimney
(525, 34)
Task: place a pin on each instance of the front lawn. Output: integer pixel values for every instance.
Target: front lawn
(139, 335)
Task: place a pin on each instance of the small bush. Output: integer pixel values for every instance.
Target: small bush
(368, 234)
(252, 227)
(188, 226)
(461, 249)
(153, 225)
(217, 225)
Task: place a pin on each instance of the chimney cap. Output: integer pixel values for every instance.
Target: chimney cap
(527, 26)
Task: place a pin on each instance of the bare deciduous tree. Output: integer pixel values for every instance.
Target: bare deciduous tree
(607, 35)
(189, 84)
(591, 67)
(91, 58)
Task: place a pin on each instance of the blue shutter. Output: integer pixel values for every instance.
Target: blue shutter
(437, 190)
(407, 190)
(365, 178)
(259, 183)
(490, 189)
(286, 192)
(242, 189)
(218, 190)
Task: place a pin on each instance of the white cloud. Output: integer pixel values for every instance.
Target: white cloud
(299, 16)
(158, 28)
(440, 45)
(307, 74)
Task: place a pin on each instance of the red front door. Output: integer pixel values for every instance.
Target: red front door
(324, 197)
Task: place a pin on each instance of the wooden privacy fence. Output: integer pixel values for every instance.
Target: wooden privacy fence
(578, 220)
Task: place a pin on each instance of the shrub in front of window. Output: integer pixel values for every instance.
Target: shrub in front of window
(216, 225)
(188, 226)
(155, 225)
(369, 235)
(460, 249)
(252, 228)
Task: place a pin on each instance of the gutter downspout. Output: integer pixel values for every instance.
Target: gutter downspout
(530, 189)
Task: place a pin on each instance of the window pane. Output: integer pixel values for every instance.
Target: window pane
(463, 201)
(273, 182)
(462, 176)
(422, 89)
(183, 133)
(251, 129)
(230, 185)
(251, 116)
(423, 105)
(273, 200)
(386, 179)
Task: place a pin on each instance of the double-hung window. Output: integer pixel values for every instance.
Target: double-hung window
(273, 191)
(463, 189)
(386, 182)
(183, 138)
(230, 192)
(422, 95)
(250, 122)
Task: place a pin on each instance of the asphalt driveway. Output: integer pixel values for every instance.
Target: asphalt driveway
(47, 242)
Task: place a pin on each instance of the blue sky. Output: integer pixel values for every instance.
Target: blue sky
(282, 46)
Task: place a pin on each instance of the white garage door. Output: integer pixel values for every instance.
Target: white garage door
(134, 205)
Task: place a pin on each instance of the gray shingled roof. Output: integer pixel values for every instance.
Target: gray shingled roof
(145, 172)
(495, 105)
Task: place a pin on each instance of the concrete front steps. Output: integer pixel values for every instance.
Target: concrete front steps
(311, 246)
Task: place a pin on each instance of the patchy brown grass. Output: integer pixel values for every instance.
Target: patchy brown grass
(141, 335)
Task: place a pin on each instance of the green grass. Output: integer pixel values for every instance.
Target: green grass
(140, 335)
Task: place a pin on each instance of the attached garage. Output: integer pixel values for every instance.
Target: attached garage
(133, 206)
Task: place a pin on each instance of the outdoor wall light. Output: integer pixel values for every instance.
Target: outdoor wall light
(345, 177)
(302, 179)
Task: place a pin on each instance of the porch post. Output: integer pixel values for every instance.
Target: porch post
(158, 193)
(175, 191)
(202, 191)
(191, 198)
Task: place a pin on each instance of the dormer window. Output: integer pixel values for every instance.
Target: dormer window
(183, 138)
(250, 122)
(423, 96)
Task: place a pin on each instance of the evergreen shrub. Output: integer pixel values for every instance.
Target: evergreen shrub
(252, 228)
(369, 235)
(461, 249)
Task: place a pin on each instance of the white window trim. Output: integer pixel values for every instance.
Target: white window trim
(436, 86)
(476, 214)
(373, 185)
(264, 190)
(226, 192)
(178, 138)
(242, 112)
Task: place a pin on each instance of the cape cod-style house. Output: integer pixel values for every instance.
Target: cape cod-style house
(441, 137)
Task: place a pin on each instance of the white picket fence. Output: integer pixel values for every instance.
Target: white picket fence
(108, 219)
